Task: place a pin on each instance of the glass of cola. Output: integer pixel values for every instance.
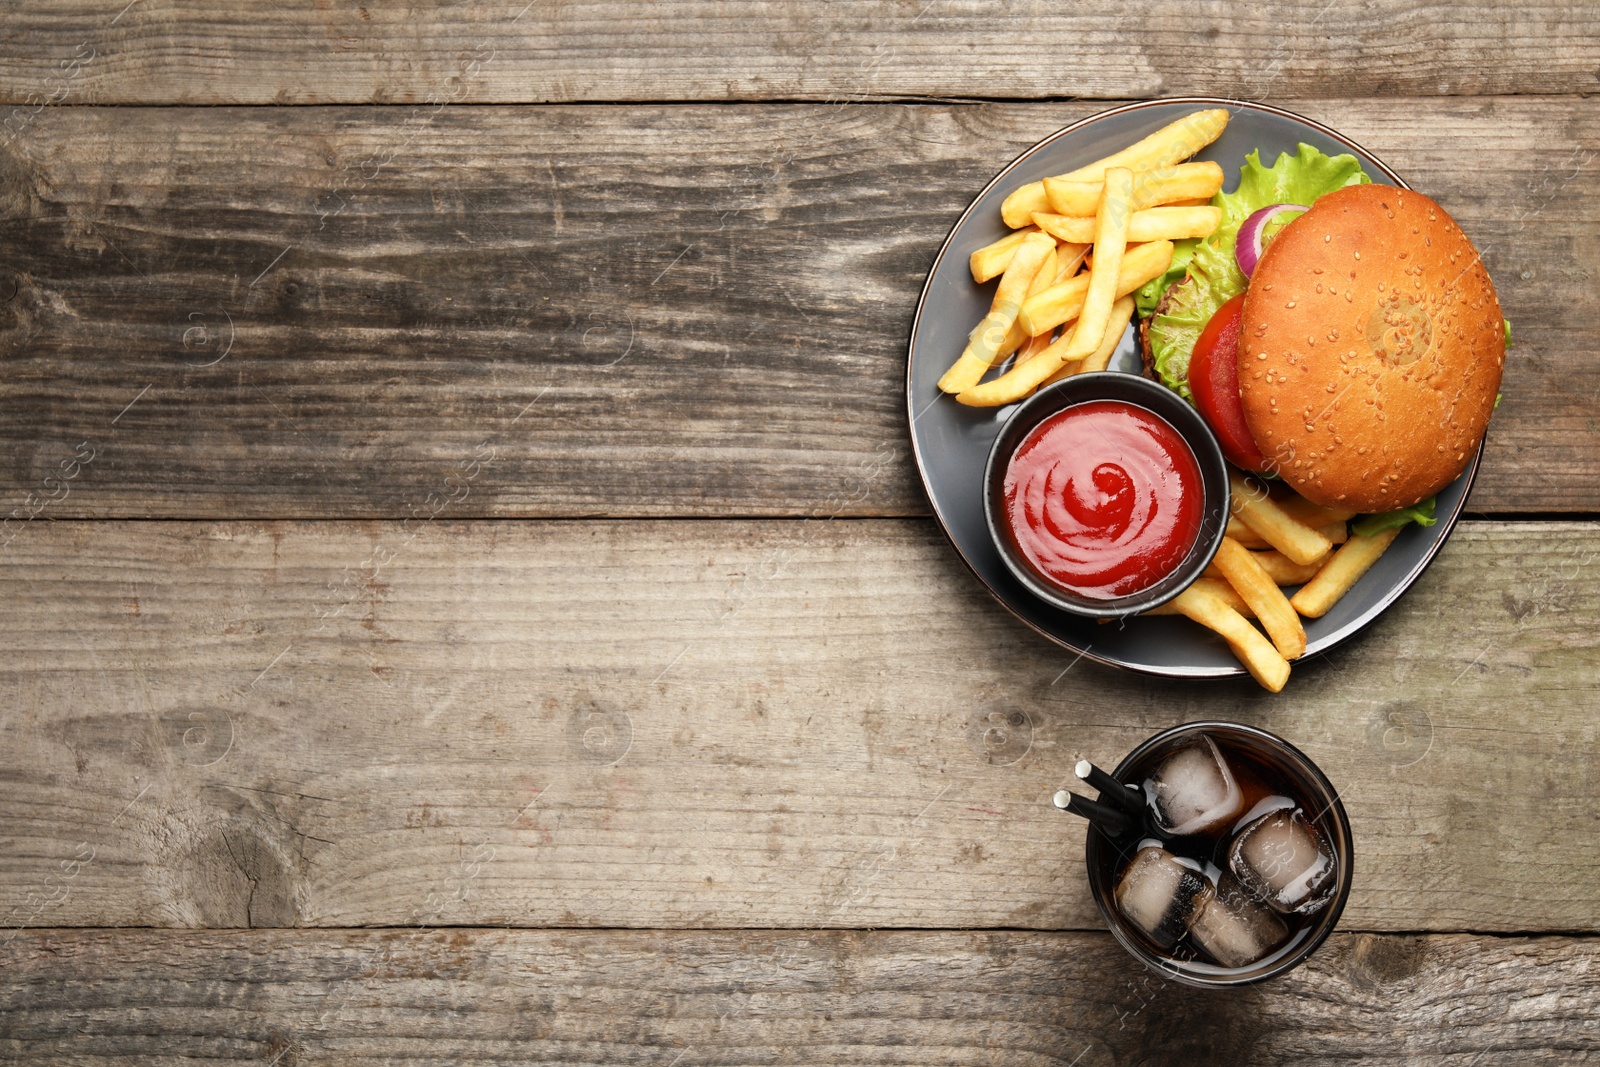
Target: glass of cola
(1227, 861)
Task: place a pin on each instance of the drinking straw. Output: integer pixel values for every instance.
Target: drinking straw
(1104, 816)
(1129, 798)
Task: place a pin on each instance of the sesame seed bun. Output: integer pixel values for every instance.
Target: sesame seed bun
(1371, 350)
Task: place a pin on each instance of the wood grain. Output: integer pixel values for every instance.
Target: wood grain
(743, 997)
(534, 51)
(304, 313)
(716, 724)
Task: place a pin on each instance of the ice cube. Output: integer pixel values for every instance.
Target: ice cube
(1283, 860)
(1158, 893)
(1234, 928)
(1193, 790)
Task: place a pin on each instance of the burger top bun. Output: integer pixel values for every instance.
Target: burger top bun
(1371, 350)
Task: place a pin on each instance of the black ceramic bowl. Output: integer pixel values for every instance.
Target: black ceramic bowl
(1320, 801)
(1165, 405)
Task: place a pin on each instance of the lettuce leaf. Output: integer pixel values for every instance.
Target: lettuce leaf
(1210, 274)
(1421, 514)
(1148, 295)
(1497, 396)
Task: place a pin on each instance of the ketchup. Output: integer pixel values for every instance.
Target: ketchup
(1103, 499)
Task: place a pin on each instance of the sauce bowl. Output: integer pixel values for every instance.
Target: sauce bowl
(1166, 405)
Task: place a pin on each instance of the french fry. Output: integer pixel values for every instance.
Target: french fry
(1066, 370)
(1257, 654)
(1303, 510)
(1063, 302)
(1030, 277)
(1285, 571)
(991, 260)
(1121, 315)
(1253, 507)
(1244, 535)
(1197, 182)
(1032, 347)
(1020, 381)
(1151, 224)
(1110, 241)
(1017, 339)
(1335, 532)
(1217, 586)
(1069, 258)
(1252, 582)
(1171, 144)
(1354, 558)
(1048, 273)
(986, 345)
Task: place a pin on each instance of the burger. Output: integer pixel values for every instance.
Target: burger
(1339, 335)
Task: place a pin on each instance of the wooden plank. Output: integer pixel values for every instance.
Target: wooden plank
(527, 51)
(743, 997)
(578, 311)
(692, 724)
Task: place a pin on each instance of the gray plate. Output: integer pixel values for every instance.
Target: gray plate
(951, 442)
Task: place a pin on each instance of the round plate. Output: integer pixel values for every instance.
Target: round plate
(951, 442)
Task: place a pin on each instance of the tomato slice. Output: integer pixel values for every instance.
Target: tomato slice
(1214, 381)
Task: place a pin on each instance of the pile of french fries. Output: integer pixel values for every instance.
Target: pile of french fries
(1273, 542)
(1081, 244)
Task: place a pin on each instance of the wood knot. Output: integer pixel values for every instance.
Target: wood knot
(1377, 960)
(19, 194)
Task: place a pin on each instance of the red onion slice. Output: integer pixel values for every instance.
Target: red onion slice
(1247, 249)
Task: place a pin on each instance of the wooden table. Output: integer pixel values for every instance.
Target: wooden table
(467, 593)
